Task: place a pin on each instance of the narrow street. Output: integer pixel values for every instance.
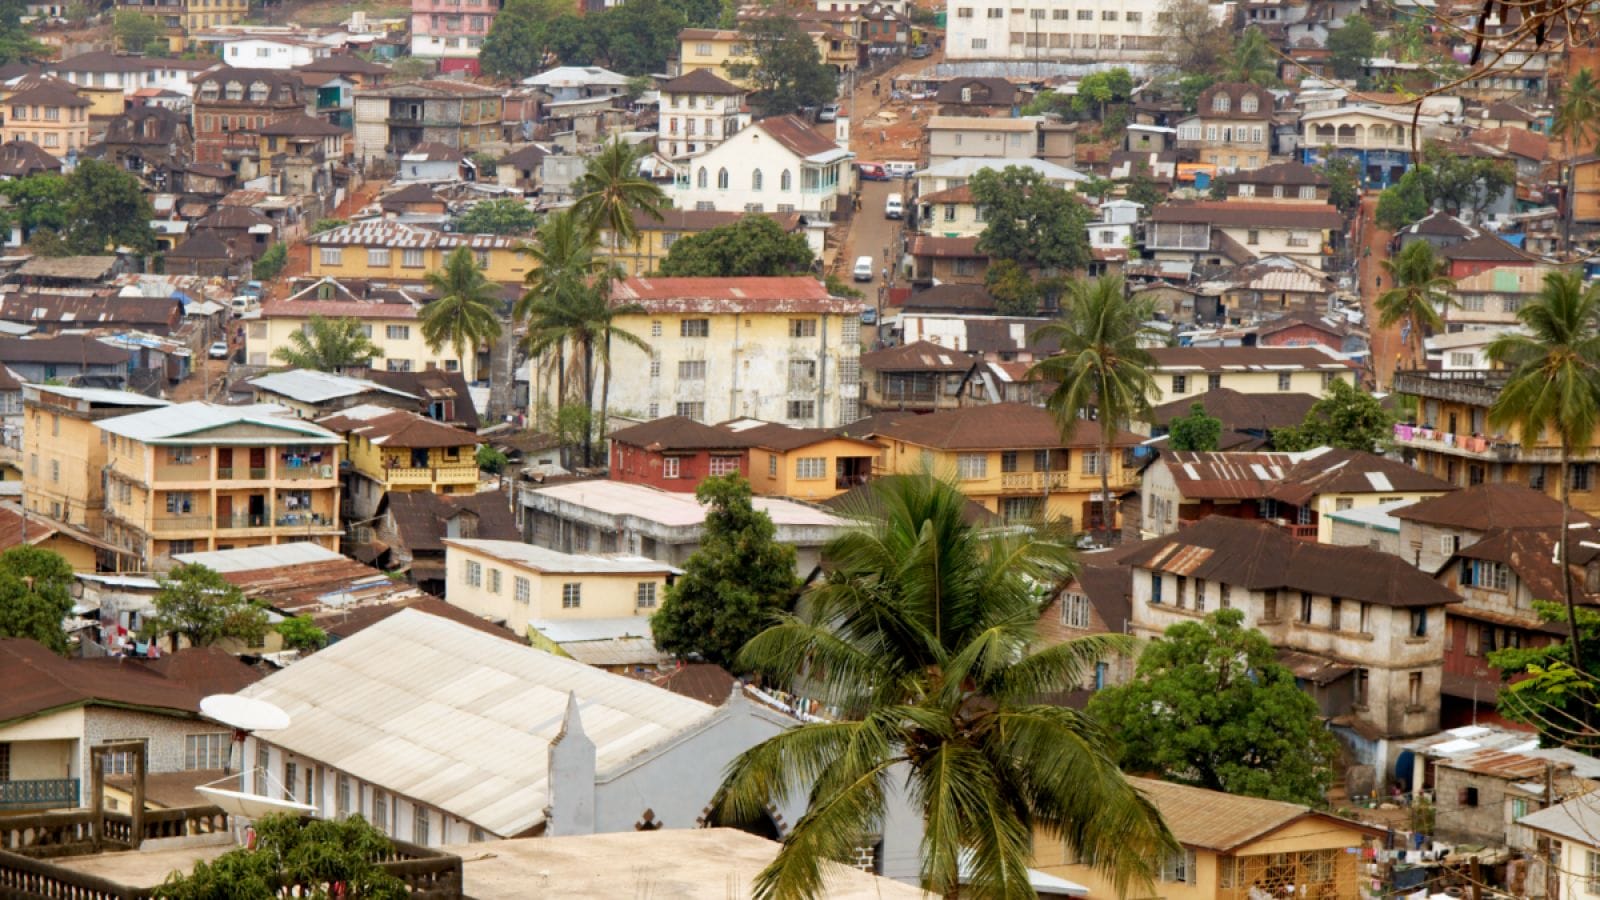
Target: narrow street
(1386, 347)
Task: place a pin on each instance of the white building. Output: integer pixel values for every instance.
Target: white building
(957, 172)
(779, 164)
(699, 111)
(1114, 230)
(567, 83)
(1128, 32)
(270, 52)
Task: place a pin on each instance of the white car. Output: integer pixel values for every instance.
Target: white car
(863, 269)
(894, 207)
(219, 350)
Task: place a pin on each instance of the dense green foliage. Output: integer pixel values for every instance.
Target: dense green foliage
(96, 208)
(301, 633)
(1444, 180)
(787, 71)
(328, 345)
(754, 245)
(1030, 221)
(635, 38)
(1352, 46)
(1344, 181)
(491, 460)
(271, 262)
(1211, 706)
(502, 215)
(1345, 417)
(135, 31)
(732, 587)
(922, 637)
(321, 859)
(465, 310)
(1419, 293)
(198, 604)
(35, 595)
(1014, 291)
(1199, 430)
(1404, 202)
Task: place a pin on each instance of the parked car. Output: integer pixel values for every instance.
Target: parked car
(869, 316)
(921, 51)
(219, 350)
(894, 207)
(871, 171)
(900, 169)
(863, 269)
(828, 113)
(251, 289)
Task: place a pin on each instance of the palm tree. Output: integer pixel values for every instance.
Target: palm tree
(611, 189)
(1101, 365)
(328, 345)
(1577, 121)
(1253, 60)
(923, 635)
(1420, 294)
(466, 310)
(1554, 384)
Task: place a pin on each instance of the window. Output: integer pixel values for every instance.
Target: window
(1592, 862)
(474, 573)
(332, 256)
(1247, 190)
(1108, 15)
(1334, 613)
(1134, 16)
(1362, 679)
(258, 778)
(1155, 587)
(691, 370)
(804, 410)
(1085, 15)
(1221, 102)
(811, 467)
(1075, 611)
(772, 465)
(695, 410)
(1305, 607)
(724, 465)
(55, 470)
(378, 256)
(972, 465)
(801, 373)
(1180, 384)
(411, 258)
(1366, 618)
(701, 178)
(419, 825)
(1091, 462)
(522, 589)
(290, 772)
(670, 467)
(1414, 697)
(1249, 103)
(571, 595)
(1581, 476)
(1419, 623)
(341, 796)
(996, 13)
(1214, 382)
(963, 12)
(1223, 600)
(1179, 868)
(722, 179)
(179, 502)
(494, 581)
(645, 596)
(1200, 594)
(755, 180)
(694, 328)
(802, 328)
(1283, 381)
(1269, 606)
(206, 751)
(1008, 461)
(397, 332)
(655, 366)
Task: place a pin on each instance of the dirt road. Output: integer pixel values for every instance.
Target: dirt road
(1387, 350)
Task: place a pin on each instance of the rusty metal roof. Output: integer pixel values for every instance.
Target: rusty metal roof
(732, 296)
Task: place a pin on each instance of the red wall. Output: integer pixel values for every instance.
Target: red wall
(636, 465)
(468, 65)
(1461, 268)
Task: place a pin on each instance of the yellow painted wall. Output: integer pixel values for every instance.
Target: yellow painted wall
(714, 53)
(459, 465)
(69, 491)
(504, 264)
(604, 596)
(1327, 504)
(264, 336)
(68, 131)
(1070, 485)
(1307, 382)
(774, 473)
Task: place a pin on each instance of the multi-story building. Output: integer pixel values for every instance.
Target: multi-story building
(451, 31)
(917, 377)
(1200, 231)
(1231, 128)
(1013, 459)
(655, 237)
(383, 250)
(391, 120)
(1127, 32)
(1192, 371)
(199, 477)
(779, 349)
(231, 106)
(676, 454)
(700, 110)
(63, 456)
(397, 450)
(1029, 137)
(50, 113)
(300, 154)
(182, 18)
(1381, 140)
(779, 164)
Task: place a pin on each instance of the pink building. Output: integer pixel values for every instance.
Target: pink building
(451, 31)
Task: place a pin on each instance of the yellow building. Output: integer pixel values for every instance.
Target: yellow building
(951, 213)
(396, 450)
(719, 48)
(198, 477)
(64, 453)
(50, 113)
(1233, 848)
(1012, 459)
(805, 463)
(1191, 371)
(519, 584)
(656, 237)
(391, 318)
(382, 250)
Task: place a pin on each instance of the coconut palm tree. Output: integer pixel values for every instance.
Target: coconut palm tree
(328, 345)
(1101, 366)
(1578, 113)
(611, 190)
(923, 635)
(1420, 294)
(466, 309)
(1253, 60)
(1554, 384)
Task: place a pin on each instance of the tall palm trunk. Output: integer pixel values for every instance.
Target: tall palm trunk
(1105, 481)
(1561, 559)
(605, 394)
(588, 400)
(561, 399)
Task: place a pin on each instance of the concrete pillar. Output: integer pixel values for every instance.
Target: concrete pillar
(571, 777)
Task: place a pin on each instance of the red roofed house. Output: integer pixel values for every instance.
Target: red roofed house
(397, 450)
(675, 454)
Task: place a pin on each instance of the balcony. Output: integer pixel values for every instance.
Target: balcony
(172, 525)
(1476, 388)
(1026, 482)
(243, 520)
(39, 793)
(301, 519)
(459, 474)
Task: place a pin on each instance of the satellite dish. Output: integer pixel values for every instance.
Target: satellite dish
(251, 806)
(244, 713)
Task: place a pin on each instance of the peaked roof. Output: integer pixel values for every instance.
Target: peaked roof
(796, 136)
(388, 427)
(998, 426)
(1293, 477)
(38, 681)
(1442, 224)
(1485, 247)
(421, 518)
(701, 81)
(678, 433)
(48, 92)
(301, 125)
(1483, 507)
(917, 356)
(193, 423)
(202, 244)
(1239, 411)
(1213, 820)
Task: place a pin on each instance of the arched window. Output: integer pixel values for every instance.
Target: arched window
(722, 179)
(258, 92)
(1249, 103)
(755, 180)
(234, 91)
(700, 179)
(1221, 102)
(785, 181)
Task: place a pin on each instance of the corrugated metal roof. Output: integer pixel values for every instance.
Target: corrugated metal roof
(311, 386)
(543, 560)
(441, 713)
(674, 509)
(384, 233)
(245, 559)
(190, 423)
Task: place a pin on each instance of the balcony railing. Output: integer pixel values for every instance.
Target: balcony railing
(243, 520)
(459, 474)
(161, 525)
(303, 519)
(39, 793)
(1033, 481)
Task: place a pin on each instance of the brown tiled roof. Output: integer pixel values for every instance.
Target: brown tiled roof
(1246, 214)
(420, 517)
(1226, 359)
(959, 194)
(1507, 112)
(1485, 247)
(342, 623)
(92, 311)
(52, 92)
(239, 218)
(701, 81)
(19, 159)
(1483, 507)
(1286, 173)
(965, 297)
(1340, 471)
(1240, 412)
(434, 386)
(1212, 820)
(66, 348)
(946, 247)
(1204, 475)
(344, 64)
(1530, 552)
(1442, 224)
(38, 681)
(202, 244)
(418, 192)
(399, 428)
(1513, 141)
(783, 438)
(524, 158)
(678, 433)
(984, 91)
(919, 356)
(706, 682)
(1306, 318)
(1257, 555)
(169, 790)
(301, 125)
(102, 61)
(796, 136)
(868, 426)
(1236, 92)
(999, 426)
(433, 151)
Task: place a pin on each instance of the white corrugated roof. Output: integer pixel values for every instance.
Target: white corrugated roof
(311, 386)
(246, 559)
(459, 719)
(674, 509)
(190, 423)
(544, 560)
(100, 395)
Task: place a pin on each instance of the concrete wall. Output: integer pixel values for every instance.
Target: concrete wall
(602, 596)
(1478, 817)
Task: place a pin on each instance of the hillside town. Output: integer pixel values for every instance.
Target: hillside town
(799, 449)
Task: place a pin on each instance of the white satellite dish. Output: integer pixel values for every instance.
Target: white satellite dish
(244, 713)
(251, 806)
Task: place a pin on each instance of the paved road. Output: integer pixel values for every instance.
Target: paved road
(871, 235)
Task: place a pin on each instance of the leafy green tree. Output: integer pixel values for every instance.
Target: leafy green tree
(36, 203)
(1253, 59)
(1344, 181)
(923, 636)
(1344, 417)
(197, 603)
(503, 215)
(465, 311)
(1459, 183)
(518, 39)
(491, 460)
(611, 191)
(135, 31)
(1219, 187)
(106, 208)
(1101, 366)
(1015, 293)
(1099, 91)
(487, 164)
(1419, 295)
(1143, 190)
(1031, 220)
(1554, 387)
(1197, 43)
(732, 587)
(322, 225)
(1190, 87)
(641, 35)
(328, 345)
(1199, 430)
(1404, 202)
(753, 246)
(35, 595)
(271, 263)
(301, 633)
(17, 42)
(1211, 706)
(319, 858)
(786, 71)
(1096, 188)
(1553, 697)
(1352, 46)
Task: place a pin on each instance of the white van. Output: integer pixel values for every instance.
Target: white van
(863, 269)
(900, 169)
(894, 207)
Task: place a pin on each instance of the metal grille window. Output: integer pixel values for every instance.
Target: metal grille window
(802, 328)
(692, 410)
(851, 332)
(474, 573)
(571, 595)
(206, 751)
(692, 370)
(802, 409)
(397, 332)
(724, 465)
(1075, 611)
(523, 589)
(121, 763)
(694, 328)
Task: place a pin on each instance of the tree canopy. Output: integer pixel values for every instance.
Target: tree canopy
(1199, 430)
(1344, 181)
(1030, 220)
(502, 215)
(1352, 46)
(1211, 706)
(135, 31)
(1404, 202)
(96, 208)
(1345, 417)
(786, 71)
(35, 595)
(733, 586)
(328, 345)
(755, 245)
(634, 38)
(311, 857)
(198, 604)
